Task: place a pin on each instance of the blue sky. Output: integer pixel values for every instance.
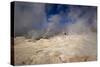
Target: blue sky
(51, 17)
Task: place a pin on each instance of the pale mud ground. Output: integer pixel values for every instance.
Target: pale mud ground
(58, 49)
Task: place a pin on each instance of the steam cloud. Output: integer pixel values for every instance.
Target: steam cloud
(34, 20)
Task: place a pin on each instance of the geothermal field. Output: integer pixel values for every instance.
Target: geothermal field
(57, 49)
(47, 33)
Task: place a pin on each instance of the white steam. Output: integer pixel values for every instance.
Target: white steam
(84, 24)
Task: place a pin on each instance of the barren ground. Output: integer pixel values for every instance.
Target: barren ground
(58, 49)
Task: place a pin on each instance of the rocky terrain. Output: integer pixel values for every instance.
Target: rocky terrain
(57, 49)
